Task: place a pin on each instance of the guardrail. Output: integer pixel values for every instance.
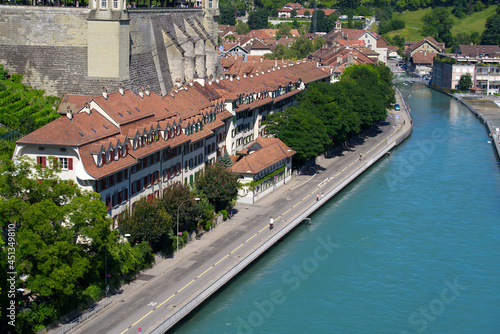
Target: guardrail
(69, 327)
(198, 299)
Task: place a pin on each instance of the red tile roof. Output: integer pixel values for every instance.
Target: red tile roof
(267, 152)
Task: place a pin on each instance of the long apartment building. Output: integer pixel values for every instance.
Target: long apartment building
(482, 62)
(126, 146)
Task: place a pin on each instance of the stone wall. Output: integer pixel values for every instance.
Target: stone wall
(49, 47)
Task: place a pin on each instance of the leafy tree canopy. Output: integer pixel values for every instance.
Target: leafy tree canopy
(63, 237)
(218, 184)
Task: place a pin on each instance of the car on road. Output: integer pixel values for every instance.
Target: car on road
(396, 107)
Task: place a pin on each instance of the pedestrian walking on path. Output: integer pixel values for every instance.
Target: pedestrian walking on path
(317, 197)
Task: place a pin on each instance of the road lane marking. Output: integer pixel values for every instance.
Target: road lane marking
(234, 250)
(251, 237)
(185, 286)
(166, 300)
(203, 273)
(135, 323)
(221, 260)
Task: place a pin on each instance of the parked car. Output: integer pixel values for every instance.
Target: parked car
(396, 107)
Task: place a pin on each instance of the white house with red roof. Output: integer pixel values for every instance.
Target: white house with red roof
(264, 165)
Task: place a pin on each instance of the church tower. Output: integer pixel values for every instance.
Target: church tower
(338, 26)
(108, 40)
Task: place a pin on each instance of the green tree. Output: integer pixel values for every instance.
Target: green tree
(148, 222)
(491, 35)
(257, 19)
(62, 235)
(242, 28)
(301, 130)
(218, 184)
(226, 160)
(465, 82)
(438, 23)
(227, 14)
(178, 198)
(293, 13)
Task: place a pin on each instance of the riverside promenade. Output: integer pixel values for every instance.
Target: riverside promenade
(488, 111)
(164, 294)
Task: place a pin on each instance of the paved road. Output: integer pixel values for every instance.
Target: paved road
(159, 292)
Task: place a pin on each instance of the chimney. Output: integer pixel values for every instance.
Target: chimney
(231, 78)
(141, 92)
(105, 93)
(251, 75)
(121, 89)
(147, 91)
(86, 108)
(261, 59)
(238, 77)
(244, 75)
(262, 72)
(69, 113)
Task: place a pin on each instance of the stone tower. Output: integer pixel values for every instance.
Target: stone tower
(108, 42)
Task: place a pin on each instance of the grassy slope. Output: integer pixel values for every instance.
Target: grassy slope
(473, 23)
(414, 23)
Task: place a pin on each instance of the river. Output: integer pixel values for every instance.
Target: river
(414, 245)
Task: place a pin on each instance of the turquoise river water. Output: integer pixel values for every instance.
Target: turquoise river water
(411, 246)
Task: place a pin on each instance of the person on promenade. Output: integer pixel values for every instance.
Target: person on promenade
(317, 197)
(271, 223)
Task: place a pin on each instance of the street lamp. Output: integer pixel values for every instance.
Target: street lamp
(196, 199)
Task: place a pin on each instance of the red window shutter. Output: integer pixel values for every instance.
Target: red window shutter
(125, 194)
(108, 203)
(39, 181)
(43, 162)
(70, 163)
(168, 173)
(150, 197)
(178, 167)
(119, 177)
(152, 179)
(104, 158)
